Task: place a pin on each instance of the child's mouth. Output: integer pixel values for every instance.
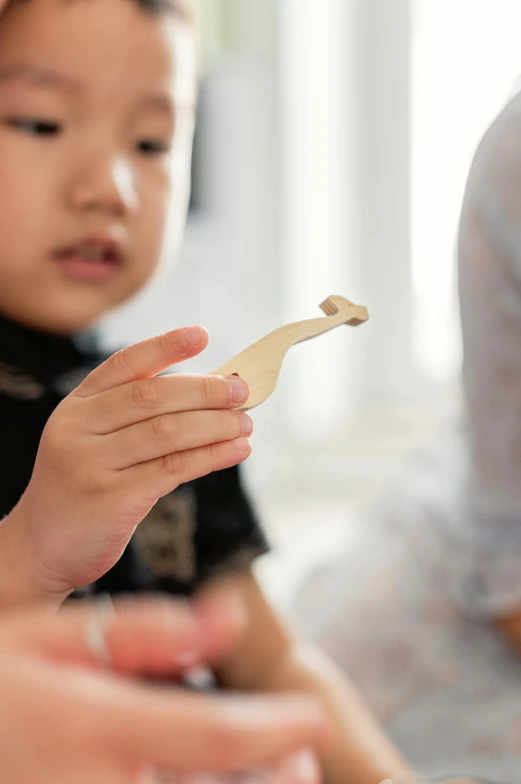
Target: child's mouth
(90, 260)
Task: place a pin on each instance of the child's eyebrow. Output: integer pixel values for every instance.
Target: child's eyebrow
(39, 76)
(158, 101)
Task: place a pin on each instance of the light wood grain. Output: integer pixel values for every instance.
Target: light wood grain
(260, 364)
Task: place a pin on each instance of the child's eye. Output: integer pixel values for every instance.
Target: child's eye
(153, 147)
(35, 126)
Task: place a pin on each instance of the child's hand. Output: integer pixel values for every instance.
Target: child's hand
(124, 438)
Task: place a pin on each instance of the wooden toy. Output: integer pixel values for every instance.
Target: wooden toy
(260, 364)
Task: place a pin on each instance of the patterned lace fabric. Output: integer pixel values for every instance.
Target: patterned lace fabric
(444, 686)
(407, 609)
(485, 524)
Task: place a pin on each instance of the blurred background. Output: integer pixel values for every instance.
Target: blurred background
(332, 147)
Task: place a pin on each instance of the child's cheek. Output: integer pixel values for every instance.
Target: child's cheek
(26, 173)
(147, 232)
(20, 196)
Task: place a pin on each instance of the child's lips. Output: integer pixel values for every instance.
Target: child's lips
(90, 260)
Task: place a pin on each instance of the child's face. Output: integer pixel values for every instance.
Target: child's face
(96, 112)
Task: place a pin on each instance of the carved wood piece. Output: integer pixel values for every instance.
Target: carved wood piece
(260, 364)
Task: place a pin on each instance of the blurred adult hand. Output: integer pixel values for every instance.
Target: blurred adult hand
(65, 716)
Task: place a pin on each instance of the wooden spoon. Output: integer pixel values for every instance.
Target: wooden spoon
(260, 364)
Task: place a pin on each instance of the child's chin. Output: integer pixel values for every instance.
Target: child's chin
(64, 322)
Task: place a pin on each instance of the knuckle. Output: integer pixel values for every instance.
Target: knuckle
(118, 362)
(164, 343)
(147, 394)
(210, 459)
(175, 464)
(162, 428)
(211, 390)
(213, 453)
(228, 425)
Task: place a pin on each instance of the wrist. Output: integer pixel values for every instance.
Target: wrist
(22, 583)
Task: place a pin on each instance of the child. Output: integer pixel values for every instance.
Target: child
(96, 116)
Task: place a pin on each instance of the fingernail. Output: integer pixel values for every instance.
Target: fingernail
(193, 335)
(246, 424)
(242, 445)
(239, 390)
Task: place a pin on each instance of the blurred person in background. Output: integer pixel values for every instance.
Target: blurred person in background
(419, 607)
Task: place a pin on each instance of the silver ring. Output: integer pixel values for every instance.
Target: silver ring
(95, 628)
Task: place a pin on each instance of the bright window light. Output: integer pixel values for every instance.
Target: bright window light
(465, 61)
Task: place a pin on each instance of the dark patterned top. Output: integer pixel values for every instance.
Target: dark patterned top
(204, 528)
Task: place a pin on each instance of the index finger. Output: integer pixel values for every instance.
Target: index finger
(144, 360)
(146, 635)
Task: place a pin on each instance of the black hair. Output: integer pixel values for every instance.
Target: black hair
(182, 8)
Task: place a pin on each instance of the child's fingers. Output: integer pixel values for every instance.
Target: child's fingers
(145, 359)
(163, 435)
(163, 475)
(134, 402)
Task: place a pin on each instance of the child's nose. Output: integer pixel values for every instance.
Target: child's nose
(105, 186)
